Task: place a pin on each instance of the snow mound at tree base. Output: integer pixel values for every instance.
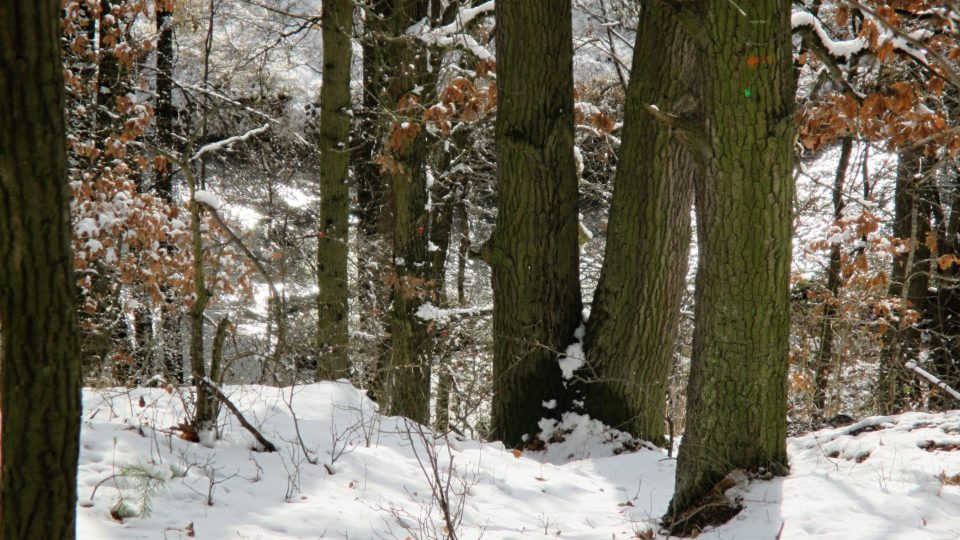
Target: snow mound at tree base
(373, 477)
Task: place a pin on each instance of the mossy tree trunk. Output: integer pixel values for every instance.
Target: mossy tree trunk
(337, 27)
(736, 399)
(633, 323)
(40, 356)
(406, 377)
(533, 251)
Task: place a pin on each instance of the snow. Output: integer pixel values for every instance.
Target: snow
(454, 33)
(208, 198)
(214, 146)
(87, 226)
(429, 312)
(839, 48)
(881, 478)
(573, 358)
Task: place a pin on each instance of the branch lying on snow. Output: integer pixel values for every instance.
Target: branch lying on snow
(933, 379)
(267, 445)
(214, 146)
(453, 33)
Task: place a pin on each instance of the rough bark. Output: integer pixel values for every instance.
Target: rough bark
(736, 399)
(633, 323)
(40, 356)
(337, 28)
(533, 251)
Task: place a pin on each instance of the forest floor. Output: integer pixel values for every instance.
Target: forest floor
(342, 471)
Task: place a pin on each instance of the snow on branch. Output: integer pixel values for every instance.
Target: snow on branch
(838, 48)
(933, 379)
(208, 198)
(429, 312)
(214, 146)
(846, 49)
(454, 33)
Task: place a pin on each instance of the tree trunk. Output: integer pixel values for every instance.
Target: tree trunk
(402, 160)
(163, 183)
(736, 399)
(633, 323)
(910, 281)
(40, 355)
(824, 364)
(164, 111)
(204, 413)
(533, 251)
(946, 308)
(337, 27)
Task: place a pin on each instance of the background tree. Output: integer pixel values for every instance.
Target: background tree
(736, 398)
(334, 142)
(402, 165)
(40, 355)
(533, 251)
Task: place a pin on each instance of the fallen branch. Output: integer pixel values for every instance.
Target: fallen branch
(267, 445)
(933, 379)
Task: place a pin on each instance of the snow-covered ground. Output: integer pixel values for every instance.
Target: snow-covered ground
(882, 478)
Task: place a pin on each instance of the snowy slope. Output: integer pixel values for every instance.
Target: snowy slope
(877, 479)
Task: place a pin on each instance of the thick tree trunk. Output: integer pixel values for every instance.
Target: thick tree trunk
(533, 251)
(736, 399)
(633, 323)
(337, 27)
(40, 356)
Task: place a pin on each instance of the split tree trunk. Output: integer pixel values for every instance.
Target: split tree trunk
(633, 323)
